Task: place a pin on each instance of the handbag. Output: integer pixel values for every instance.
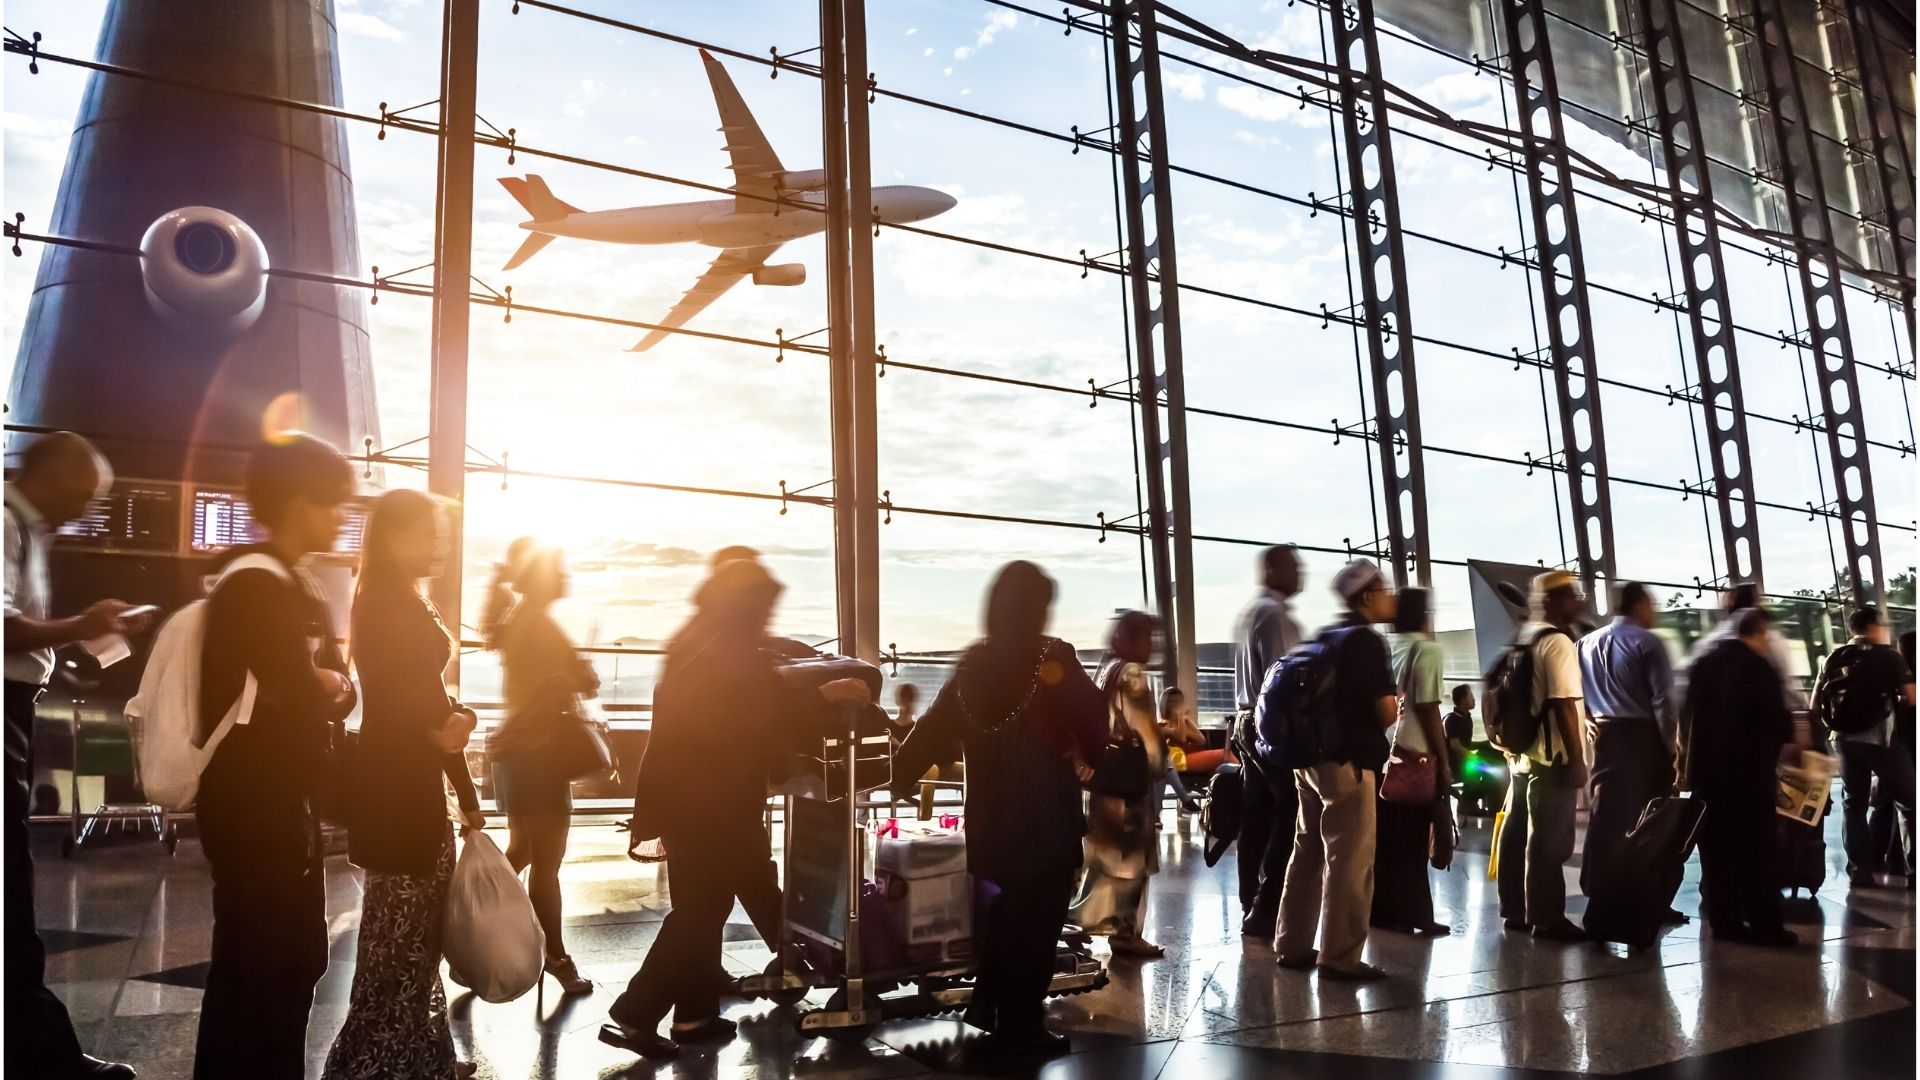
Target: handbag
(1444, 838)
(578, 745)
(1410, 777)
(1121, 772)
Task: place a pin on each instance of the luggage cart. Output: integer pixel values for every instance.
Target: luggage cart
(826, 857)
(105, 749)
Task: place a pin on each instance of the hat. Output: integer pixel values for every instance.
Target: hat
(734, 585)
(1553, 581)
(1356, 578)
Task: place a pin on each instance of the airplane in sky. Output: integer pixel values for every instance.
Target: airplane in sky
(748, 228)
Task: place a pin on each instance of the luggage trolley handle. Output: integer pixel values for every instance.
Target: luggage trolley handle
(856, 863)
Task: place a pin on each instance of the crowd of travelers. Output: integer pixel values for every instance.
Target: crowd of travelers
(1342, 760)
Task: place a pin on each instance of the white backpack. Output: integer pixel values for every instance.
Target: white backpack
(165, 714)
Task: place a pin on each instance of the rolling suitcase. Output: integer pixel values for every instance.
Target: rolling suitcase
(1800, 854)
(1647, 869)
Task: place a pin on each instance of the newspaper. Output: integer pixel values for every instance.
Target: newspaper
(1804, 789)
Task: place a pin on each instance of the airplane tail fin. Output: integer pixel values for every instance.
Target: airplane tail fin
(529, 248)
(539, 201)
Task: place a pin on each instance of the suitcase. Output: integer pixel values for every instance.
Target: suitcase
(1800, 854)
(1220, 814)
(1647, 869)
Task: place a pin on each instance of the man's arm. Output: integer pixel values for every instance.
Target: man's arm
(1660, 686)
(99, 619)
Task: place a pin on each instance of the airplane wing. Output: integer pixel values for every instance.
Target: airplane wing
(755, 166)
(725, 272)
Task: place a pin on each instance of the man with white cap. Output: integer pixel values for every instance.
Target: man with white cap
(1330, 876)
(1554, 768)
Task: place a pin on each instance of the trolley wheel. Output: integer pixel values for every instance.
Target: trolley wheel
(172, 838)
(788, 995)
(853, 1036)
(66, 847)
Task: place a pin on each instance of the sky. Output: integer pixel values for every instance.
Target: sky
(563, 396)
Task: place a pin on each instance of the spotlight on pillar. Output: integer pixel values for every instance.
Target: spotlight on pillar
(205, 271)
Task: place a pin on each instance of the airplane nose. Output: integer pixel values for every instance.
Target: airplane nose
(939, 202)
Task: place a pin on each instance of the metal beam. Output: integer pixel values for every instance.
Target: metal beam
(861, 362)
(1888, 137)
(1385, 312)
(1805, 193)
(1716, 363)
(453, 269)
(1563, 285)
(833, 139)
(1154, 279)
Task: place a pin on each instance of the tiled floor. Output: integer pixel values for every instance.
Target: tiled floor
(128, 930)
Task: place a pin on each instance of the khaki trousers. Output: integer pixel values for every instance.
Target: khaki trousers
(1330, 877)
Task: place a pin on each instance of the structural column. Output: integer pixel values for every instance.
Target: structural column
(1717, 366)
(453, 269)
(833, 140)
(1821, 293)
(1563, 286)
(1155, 283)
(1892, 155)
(1375, 214)
(862, 367)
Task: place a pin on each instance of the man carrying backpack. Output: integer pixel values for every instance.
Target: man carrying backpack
(59, 475)
(1534, 699)
(257, 798)
(1330, 876)
(1854, 698)
(1269, 807)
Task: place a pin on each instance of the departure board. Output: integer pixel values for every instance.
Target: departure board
(221, 519)
(134, 516)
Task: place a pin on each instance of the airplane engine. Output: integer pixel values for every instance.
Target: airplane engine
(205, 271)
(783, 274)
(802, 180)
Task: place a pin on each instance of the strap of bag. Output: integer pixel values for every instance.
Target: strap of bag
(241, 713)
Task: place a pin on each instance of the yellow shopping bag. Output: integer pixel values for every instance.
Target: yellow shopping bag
(1493, 858)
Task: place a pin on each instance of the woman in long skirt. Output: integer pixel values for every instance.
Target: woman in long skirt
(1122, 851)
(1402, 898)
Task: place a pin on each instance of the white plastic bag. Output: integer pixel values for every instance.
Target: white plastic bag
(492, 941)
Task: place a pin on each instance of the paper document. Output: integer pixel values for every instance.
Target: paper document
(1804, 789)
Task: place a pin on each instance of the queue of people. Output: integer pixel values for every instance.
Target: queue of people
(1331, 849)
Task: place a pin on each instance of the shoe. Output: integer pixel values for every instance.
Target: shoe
(647, 1044)
(1301, 961)
(1674, 917)
(92, 1068)
(1564, 930)
(1736, 932)
(980, 1018)
(1254, 926)
(1359, 973)
(1774, 937)
(712, 1029)
(1434, 929)
(1862, 879)
(1518, 925)
(1135, 946)
(572, 983)
(465, 1070)
(1035, 1040)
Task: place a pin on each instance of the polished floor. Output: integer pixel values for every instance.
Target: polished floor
(128, 931)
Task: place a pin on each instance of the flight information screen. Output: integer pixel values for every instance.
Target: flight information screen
(221, 519)
(133, 516)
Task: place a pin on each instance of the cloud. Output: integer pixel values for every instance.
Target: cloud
(362, 24)
(1190, 85)
(996, 22)
(575, 109)
(1255, 103)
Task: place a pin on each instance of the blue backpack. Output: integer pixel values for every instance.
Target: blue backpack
(1295, 722)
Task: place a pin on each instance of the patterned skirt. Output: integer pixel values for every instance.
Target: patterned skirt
(397, 1016)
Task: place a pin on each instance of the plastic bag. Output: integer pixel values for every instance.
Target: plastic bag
(492, 941)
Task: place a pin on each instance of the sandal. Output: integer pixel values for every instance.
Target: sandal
(572, 983)
(633, 1040)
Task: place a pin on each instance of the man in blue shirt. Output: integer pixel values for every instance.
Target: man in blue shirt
(1269, 804)
(1627, 678)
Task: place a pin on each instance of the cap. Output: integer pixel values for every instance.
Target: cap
(1553, 581)
(1355, 578)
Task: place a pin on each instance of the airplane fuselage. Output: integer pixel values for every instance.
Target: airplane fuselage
(719, 223)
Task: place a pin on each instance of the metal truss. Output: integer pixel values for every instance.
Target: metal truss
(1805, 194)
(1563, 285)
(1155, 283)
(1717, 364)
(1887, 135)
(1375, 214)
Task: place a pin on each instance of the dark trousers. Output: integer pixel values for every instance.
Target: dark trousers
(1017, 946)
(40, 1034)
(1268, 815)
(760, 891)
(1738, 875)
(1631, 766)
(1860, 763)
(1891, 827)
(1402, 897)
(269, 932)
(1513, 847)
(678, 975)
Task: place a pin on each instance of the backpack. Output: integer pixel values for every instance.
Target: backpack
(165, 714)
(1848, 701)
(1512, 724)
(1295, 722)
